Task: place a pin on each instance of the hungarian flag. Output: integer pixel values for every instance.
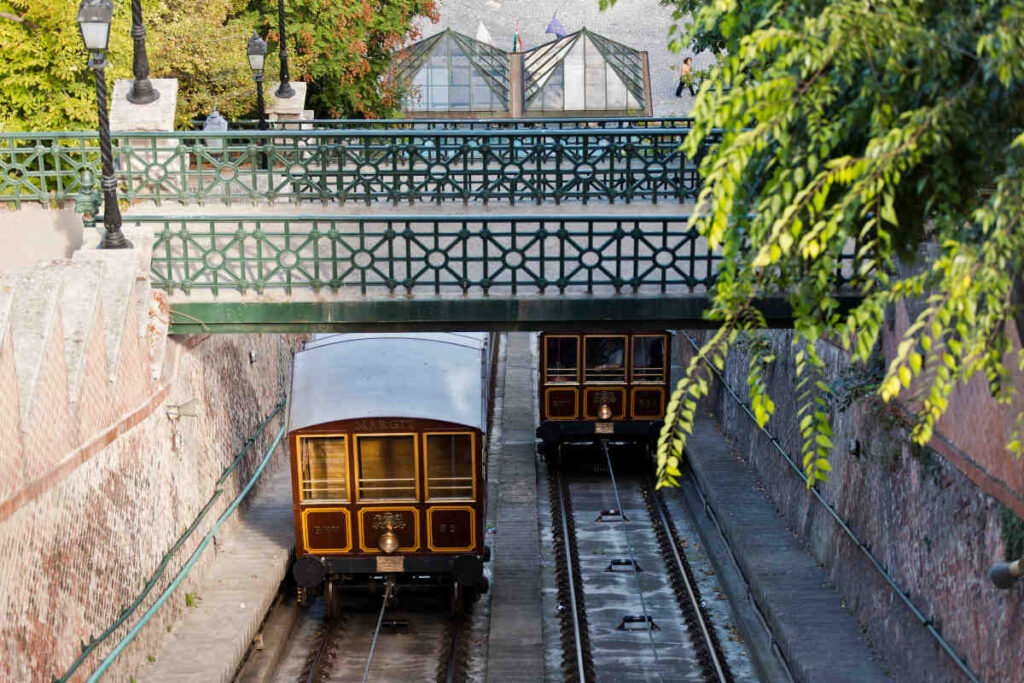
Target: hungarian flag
(555, 26)
(517, 42)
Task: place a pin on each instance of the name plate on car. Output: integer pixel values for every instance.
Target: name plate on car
(390, 563)
(604, 427)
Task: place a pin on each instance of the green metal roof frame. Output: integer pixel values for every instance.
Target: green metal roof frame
(627, 63)
(490, 62)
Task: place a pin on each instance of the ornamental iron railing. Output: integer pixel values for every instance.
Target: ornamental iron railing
(426, 123)
(427, 255)
(513, 165)
(433, 256)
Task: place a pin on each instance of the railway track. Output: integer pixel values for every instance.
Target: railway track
(629, 606)
(396, 644)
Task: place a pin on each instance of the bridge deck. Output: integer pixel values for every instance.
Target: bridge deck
(636, 265)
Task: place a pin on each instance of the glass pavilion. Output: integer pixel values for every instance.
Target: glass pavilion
(584, 74)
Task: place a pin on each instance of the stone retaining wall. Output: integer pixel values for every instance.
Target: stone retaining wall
(79, 550)
(935, 529)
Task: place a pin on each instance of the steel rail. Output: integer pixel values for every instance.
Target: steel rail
(314, 666)
(453, 652)
(376, 631)
(567, 544)
(690, 593)
(632, 558)
(904, 598)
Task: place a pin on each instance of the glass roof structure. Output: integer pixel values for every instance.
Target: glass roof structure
(451, 72)
(584, 72)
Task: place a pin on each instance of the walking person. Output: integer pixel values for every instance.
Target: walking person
(686, 78)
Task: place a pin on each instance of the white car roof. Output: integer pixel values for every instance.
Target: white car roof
(431, 376)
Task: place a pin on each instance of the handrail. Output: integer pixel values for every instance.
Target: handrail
(514, 164)
(929, 624)
(597, 121)
(342, 133)
(94, 642)
(109, 659)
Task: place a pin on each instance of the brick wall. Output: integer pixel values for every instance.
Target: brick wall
(930, 524)
(10, 444)
(47, 433)
(81, 548)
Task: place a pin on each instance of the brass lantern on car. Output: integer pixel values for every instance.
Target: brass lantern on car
(387, 523)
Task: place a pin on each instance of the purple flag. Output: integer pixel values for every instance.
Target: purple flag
(555, 26)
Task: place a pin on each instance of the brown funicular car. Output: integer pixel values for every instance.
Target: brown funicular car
(387, 442)
(595, 385)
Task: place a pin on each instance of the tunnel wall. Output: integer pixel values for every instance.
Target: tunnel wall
(934, 521)
(95, 525)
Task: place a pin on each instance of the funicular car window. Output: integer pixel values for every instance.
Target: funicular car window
(606, 359)
(649, 358)
(561, 358)
(449, 467)
(324, 466)
(387, 467)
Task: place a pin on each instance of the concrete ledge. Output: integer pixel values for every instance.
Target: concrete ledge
(209, 641)
(818, 638)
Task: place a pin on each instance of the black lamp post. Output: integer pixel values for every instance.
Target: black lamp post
(142, 91)
(257, 52)
(94, 24)
(284, 89)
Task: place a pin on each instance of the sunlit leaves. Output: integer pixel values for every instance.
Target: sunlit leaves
(867, 129)
(345, 50)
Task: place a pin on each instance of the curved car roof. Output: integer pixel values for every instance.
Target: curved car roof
(430, 376)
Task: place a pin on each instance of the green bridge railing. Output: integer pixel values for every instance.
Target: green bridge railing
(580, 163)
(432, 255)
(466, 124)
(426, 255)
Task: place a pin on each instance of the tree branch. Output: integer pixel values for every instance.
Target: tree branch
(29, 25)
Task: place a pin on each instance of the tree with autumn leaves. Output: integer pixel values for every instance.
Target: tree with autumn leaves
(342, 49)
(345, 49)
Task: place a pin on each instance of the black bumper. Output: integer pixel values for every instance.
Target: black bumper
(467, 568)
(554, 432)
(432, 564)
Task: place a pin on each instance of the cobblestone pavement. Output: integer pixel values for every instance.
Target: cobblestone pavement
(641, 24)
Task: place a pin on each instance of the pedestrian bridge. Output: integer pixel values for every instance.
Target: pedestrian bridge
(402, 225)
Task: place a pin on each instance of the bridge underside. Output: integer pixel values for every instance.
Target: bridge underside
(462, 314)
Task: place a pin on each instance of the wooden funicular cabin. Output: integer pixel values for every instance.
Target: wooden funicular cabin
(386, 436)
(601, 385)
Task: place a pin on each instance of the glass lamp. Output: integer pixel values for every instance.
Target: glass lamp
(94, 18)
(257, 52)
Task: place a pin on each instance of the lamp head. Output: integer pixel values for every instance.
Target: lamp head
(94, 17)
(257, 52)
(388, 541)
(1005, 574)
(604, 412)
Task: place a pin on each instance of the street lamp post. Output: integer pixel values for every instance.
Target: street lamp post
(284, 89)
(94, 18)
(257, 52)
(142, 91)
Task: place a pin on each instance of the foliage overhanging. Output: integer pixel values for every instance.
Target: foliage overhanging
(889, 128)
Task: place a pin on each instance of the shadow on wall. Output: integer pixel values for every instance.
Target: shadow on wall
(33, 233)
